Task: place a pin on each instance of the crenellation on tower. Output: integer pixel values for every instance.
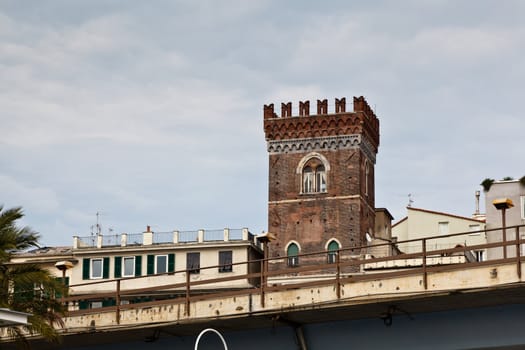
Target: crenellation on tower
(269, 111)
(340, 105)
(286, 110)
(304, 108)
(322, 106)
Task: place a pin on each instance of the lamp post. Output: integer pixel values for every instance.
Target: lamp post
(265, 238)
(503, 204)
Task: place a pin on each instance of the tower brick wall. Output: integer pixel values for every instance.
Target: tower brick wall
(340, 148)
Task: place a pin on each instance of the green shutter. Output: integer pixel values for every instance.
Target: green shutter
(151, 264)
(333, 246)
(108, 302)
(293, 250)
(85, 268)
(171, 262)
(60, 280)
(105, 268)
(83, 304)
(138, 265)
(23, 292)
(118, 267)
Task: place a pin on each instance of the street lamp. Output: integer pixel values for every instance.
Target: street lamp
(265, 238)
(503, 204)
(64, 266)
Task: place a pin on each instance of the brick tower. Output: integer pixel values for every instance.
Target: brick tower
(321, 177)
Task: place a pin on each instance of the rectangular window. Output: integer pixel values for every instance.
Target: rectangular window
(161, 263)
(225, 261)
(473, 228)
(522, 199)
(96, 269)
(443, 227)
(96, 304)
(293, 261)
(193, 262)
(332, 257)
(128, 267)
(480, 255)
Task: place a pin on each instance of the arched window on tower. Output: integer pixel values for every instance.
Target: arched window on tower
(333, 247)
(292, 253)
(314, 177)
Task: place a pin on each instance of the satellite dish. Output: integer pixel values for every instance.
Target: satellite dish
(368, 237)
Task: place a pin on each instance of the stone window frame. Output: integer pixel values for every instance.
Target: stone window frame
(313, 161)
(331, 254)
(292, 261)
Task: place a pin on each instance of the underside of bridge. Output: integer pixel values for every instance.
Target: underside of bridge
(482, 318)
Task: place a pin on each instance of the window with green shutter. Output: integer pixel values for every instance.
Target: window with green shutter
(150, 264)
(292, 252)
(105, 273)
(128, 266)
(138, 265)
(61, 280)
(118, 267)
(85, 268)
(83, 304)
(171, 262)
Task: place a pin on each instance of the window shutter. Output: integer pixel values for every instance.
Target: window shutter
(118, 267)
(105, 268)
(85, 268)
(171, 262)
(108, 302)
(61, 281)
(151, 264)
(138, 265)
(83, 304)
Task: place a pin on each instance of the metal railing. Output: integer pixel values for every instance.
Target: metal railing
(110, 240)
(162, 237)
(214, 235)
(188, 236)
(172, 237)
(315, 269)
(135, 239)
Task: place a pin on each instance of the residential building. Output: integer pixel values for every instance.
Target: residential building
(420, 223)
(515, 191)
(149, 260)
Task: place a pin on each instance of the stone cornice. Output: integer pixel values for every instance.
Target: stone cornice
(322, 143)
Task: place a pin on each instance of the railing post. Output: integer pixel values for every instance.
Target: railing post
(504, 233)
(117, 301)
(518, 252)
(338, 275)
(187, 292)
(75, 242)
(175, 236)
(124, 240)
(424, 242)
(245, 234)
(263, 282)
(226, 234)
(99, 241)
(200, 236)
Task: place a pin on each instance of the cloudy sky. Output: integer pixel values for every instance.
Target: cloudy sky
(150, 112)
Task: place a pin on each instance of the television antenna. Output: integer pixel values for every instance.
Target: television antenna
(410, 200)
(97, 228)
